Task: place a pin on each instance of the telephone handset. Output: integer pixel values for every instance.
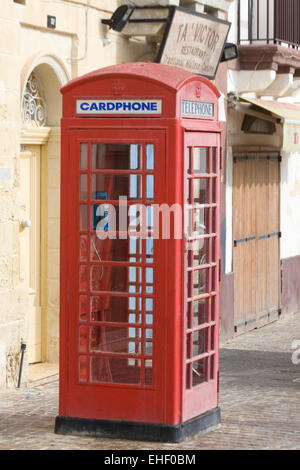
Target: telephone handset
(103, 196)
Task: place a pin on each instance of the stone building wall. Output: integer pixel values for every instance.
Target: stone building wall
(78, 45)
(75, 47)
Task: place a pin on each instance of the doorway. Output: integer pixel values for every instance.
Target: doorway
(256, 238)
(30, 244)
(202, 272)
(116, 338)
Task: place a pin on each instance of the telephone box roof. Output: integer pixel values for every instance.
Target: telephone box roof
(167, 76)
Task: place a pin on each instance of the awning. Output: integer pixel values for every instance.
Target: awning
(289, 113)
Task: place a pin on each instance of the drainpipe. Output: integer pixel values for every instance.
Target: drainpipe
(23, 347)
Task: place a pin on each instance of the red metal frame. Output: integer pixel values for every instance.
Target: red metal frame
(167, 400)
(198, 398)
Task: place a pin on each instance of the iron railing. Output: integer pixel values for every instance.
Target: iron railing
(269, 22)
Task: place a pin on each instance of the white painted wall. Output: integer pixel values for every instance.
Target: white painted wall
(290, 204)
(232, 18)
(229, 194)
(250, 81)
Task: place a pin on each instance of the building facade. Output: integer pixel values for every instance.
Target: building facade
(43, 45)
(36, 60)
(261, 245)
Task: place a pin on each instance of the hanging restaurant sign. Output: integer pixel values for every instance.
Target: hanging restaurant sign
(194, 42)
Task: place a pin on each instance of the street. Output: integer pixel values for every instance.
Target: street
(259, 400)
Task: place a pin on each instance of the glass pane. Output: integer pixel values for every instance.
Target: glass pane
(83, 307)
(103, 217)
(149, 280)
(149, 319)
(83, 278)
(135, 309)
(212, 338)
(198, 252)
(137, 214)
(148, 348)
(116, 309)
(214, 162)
(188, 314)
(149, 222)
(83, 366)
(199, 280)
(149, 250)
(201, 221)
(213, 190)
(110, 217)
(199, 372)
(189, 190)
(199, 342)
(150, 157)
(116, 370)
(83, 338)
(148, 342)
(213, 254)
(200, 312)
(112, 187)
(188, 376)
(149, 275)
(149, 305)
(149, 311)
(83, 248)
(200, 160)
(212, 367)
(116, 339)
(188, 159)
(83, 217)
(149, 333)
(188, 345)
(126, 250)
(213, 221)
(213, 309)
(83, 188)
(116, 156)
(201, 191)
(213, 280)
(148, 372)
(149, 186)
(116, 279)
(83, 156)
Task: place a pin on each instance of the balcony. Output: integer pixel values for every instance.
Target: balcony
(268, 33)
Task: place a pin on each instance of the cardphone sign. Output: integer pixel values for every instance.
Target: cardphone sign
(119, 107)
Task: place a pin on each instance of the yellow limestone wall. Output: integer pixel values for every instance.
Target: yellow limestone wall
(75, 47)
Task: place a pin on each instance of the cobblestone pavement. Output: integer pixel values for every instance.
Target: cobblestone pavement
(259, 399)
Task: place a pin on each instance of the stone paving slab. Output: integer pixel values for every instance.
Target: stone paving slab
(259, 399)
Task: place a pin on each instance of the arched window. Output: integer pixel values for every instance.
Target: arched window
(34, 104)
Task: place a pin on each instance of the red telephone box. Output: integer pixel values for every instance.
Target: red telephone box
(139, 353)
